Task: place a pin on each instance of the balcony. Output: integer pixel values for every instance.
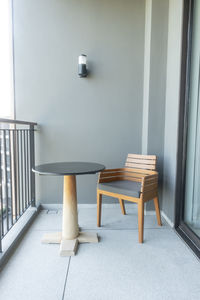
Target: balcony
(135, 90)
(115, 268)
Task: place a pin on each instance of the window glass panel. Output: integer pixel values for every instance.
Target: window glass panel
(6, 61)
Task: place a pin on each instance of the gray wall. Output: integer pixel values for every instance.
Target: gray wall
(172, 106)
(157, 86)
(94, 119)
(156, 35)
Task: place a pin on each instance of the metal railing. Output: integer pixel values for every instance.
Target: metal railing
(17, 181)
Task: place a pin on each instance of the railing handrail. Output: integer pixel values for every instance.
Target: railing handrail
(12, 121)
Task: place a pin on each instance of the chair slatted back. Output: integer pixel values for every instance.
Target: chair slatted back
(139, 161)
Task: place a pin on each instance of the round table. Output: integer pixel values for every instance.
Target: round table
(70, 235)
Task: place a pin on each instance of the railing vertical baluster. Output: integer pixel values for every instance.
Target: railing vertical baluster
(29, 161)
(32, 158)
(5, 177)
(21, 171)
(11, 175)
(28, 167)
(15, 154)
(25, 170)
(19, 175)
(14, 174)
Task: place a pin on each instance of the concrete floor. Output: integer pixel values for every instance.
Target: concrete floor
(117, 268)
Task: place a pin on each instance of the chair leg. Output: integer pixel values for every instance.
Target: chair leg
(156, 204)
(141, 219)
(122, 206)
(99, 202)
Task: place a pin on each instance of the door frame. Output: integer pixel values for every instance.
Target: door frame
(182, 229)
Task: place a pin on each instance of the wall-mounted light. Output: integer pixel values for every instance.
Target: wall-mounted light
(82, 66)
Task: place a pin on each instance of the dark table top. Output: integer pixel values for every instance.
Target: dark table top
(68, 168)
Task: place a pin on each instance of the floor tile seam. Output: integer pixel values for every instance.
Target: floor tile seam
(65, 283)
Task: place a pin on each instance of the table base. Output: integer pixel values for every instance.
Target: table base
(69, 247)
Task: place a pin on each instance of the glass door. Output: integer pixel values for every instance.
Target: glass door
(187, 213)
(191, 214)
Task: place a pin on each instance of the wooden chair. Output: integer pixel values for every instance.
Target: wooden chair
(136, 182)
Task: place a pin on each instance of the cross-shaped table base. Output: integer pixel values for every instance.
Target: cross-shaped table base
(69, 247)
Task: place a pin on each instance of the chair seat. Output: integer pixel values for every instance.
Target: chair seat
(124, 187)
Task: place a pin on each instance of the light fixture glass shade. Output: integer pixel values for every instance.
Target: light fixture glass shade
(82, 60)
(82, 65)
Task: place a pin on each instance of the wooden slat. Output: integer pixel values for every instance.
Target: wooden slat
(132, 179)
(145, 172)
(141, 156)
(148, 167)
(141, 166)
(135, 170)
(149, 187)
(151, 181)
(151, 177)
(141, 161)
(155, 175)
(113, 170)
(130, 174)
(116, 178)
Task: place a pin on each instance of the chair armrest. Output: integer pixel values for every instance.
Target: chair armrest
(149, 182)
